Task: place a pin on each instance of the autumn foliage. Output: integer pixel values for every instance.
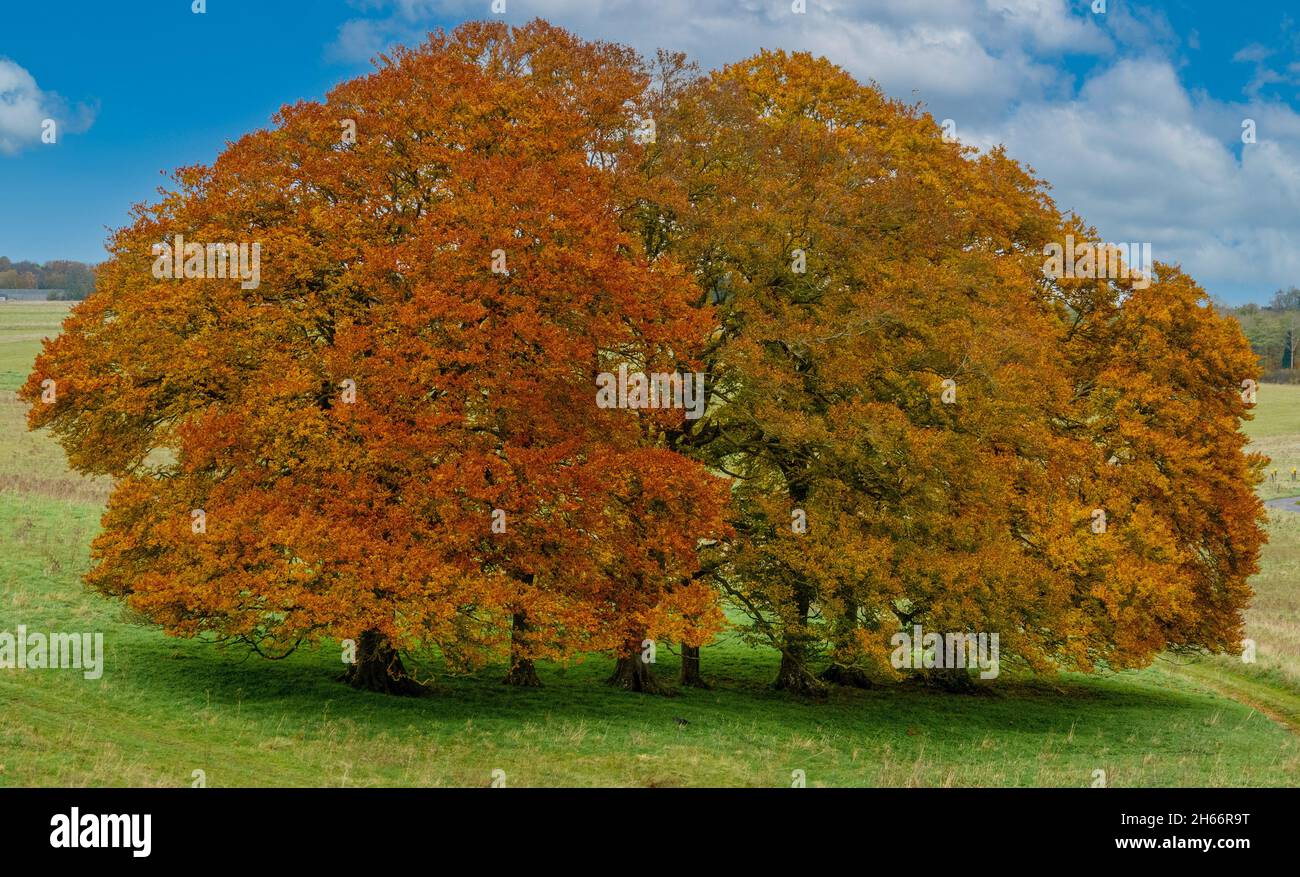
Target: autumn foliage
(892, 365)
(393, 437)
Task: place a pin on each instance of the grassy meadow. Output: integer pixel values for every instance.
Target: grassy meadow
(165, 708)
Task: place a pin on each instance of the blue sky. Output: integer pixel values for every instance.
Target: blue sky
(1134, 115)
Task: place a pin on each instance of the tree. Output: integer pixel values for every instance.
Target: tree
(824, 220)
(391, 436)
(1286, 299)
(75, 279)
(896, 389)
(1162, 382)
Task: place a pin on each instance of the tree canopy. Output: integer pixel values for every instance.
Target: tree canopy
(392, 435)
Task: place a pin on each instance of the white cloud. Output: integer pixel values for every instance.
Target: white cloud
(1047, 25)
(1254, 53)
(24, 107)
(1142, 159)
(357, 39)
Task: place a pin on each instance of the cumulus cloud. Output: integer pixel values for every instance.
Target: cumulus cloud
(24, 107)
(949, 52)
(1143, 159)
(358, 39)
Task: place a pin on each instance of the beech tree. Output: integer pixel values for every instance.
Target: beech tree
(1161, 383)
(918, 423)
(390, 435)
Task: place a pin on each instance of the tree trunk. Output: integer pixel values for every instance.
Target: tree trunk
(379, 668)
(691, 667)
(633, 674)
(523, 672)
(794, 675)
(842, 670)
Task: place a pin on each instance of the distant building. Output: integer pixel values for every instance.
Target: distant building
(29, 294)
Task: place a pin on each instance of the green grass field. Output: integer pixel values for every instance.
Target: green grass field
(165, 708)
(1275, 431)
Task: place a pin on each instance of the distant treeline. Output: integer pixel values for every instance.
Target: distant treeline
(65, 279)
(1274, 334)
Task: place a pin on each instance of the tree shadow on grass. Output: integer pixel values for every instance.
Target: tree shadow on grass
(199, 675)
